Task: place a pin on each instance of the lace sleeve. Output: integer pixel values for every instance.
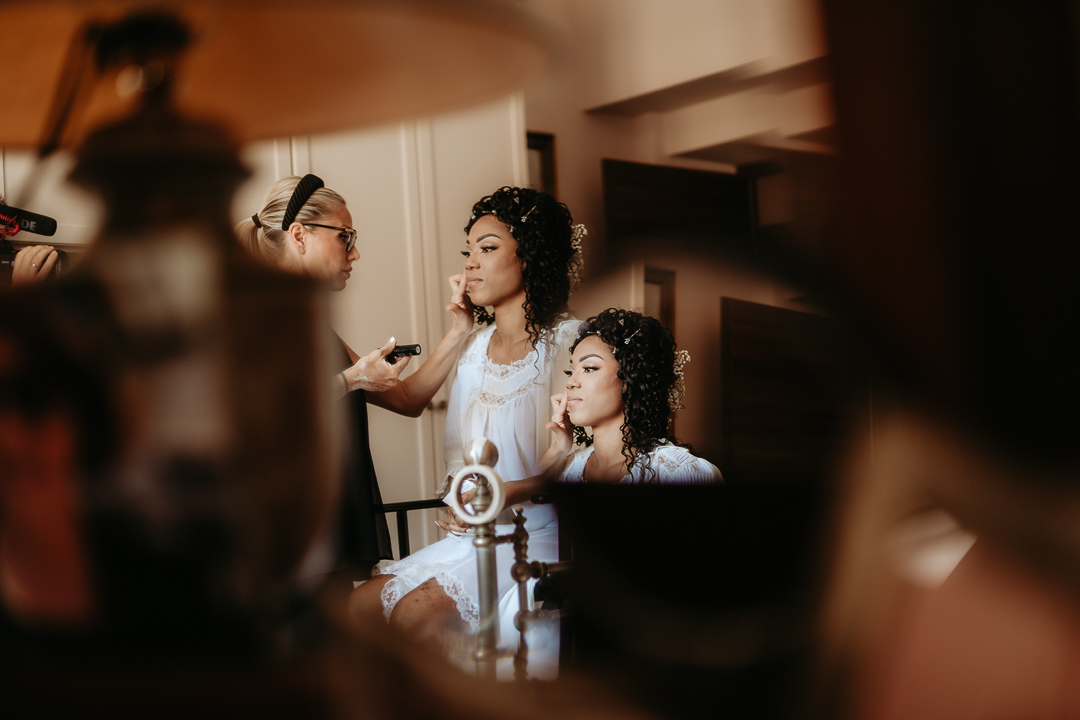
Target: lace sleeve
(675, 465)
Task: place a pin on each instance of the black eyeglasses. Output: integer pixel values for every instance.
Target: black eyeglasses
(348, 235)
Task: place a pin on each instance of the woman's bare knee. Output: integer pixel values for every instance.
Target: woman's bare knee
(365, 602)
(425, 611)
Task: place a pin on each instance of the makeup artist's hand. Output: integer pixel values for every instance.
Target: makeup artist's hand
(372, 373)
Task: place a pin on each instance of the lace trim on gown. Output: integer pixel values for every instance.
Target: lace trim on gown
(494, 399)
(467, 607)
(682, 465)
(500, 371)
(409, 576)
(669, 463)
(392, 592)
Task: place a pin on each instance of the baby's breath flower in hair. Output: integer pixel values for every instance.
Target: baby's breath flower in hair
(576, 262)
(678, 388)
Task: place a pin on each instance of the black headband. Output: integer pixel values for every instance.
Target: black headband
(300, 195)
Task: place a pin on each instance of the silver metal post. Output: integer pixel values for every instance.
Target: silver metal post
(520, 573)
(481, 455)
(487, 640)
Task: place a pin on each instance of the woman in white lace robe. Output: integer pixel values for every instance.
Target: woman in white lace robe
(625, 383)
(522, 256)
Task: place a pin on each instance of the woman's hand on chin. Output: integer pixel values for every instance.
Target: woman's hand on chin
(562, 430)
(460, 305)
(373, 374)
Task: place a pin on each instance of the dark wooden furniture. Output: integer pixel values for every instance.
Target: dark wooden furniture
(402, 509)
(792, 389)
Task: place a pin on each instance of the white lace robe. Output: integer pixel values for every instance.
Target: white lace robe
(669, 464)
(509, 405)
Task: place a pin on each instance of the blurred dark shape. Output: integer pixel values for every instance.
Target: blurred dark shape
(794, 391)
(955, 255)
(710, 214)
(167, 530)
(153, 603)
(205, 498)
(701, 209)
(695, 601)
(956, 252)
(39, 372)
(189, 310)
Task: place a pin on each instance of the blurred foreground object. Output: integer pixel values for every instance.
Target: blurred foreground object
(956, 247)
(351, 62)
(220, 468)
(996, 636)
(695, 601)
(957, 253)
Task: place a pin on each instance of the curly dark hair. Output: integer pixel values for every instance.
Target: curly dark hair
(645, 351)
(543, 229)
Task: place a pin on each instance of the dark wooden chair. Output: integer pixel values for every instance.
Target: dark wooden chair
(402, 509)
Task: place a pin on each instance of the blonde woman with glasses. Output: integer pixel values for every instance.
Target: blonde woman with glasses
(306, 228)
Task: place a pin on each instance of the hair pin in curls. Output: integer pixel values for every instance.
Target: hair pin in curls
(526, 215)
(627, 340)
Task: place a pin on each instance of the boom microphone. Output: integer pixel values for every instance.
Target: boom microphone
(26, 220)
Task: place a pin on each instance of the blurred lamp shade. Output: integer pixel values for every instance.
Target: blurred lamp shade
(274, 68)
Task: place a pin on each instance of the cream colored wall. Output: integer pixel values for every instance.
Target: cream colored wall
(622, 286)
(627, 48)
(615, 51)
(409, 187)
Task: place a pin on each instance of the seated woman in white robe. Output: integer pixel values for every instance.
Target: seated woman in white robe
(522, 256)
(625, 383)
